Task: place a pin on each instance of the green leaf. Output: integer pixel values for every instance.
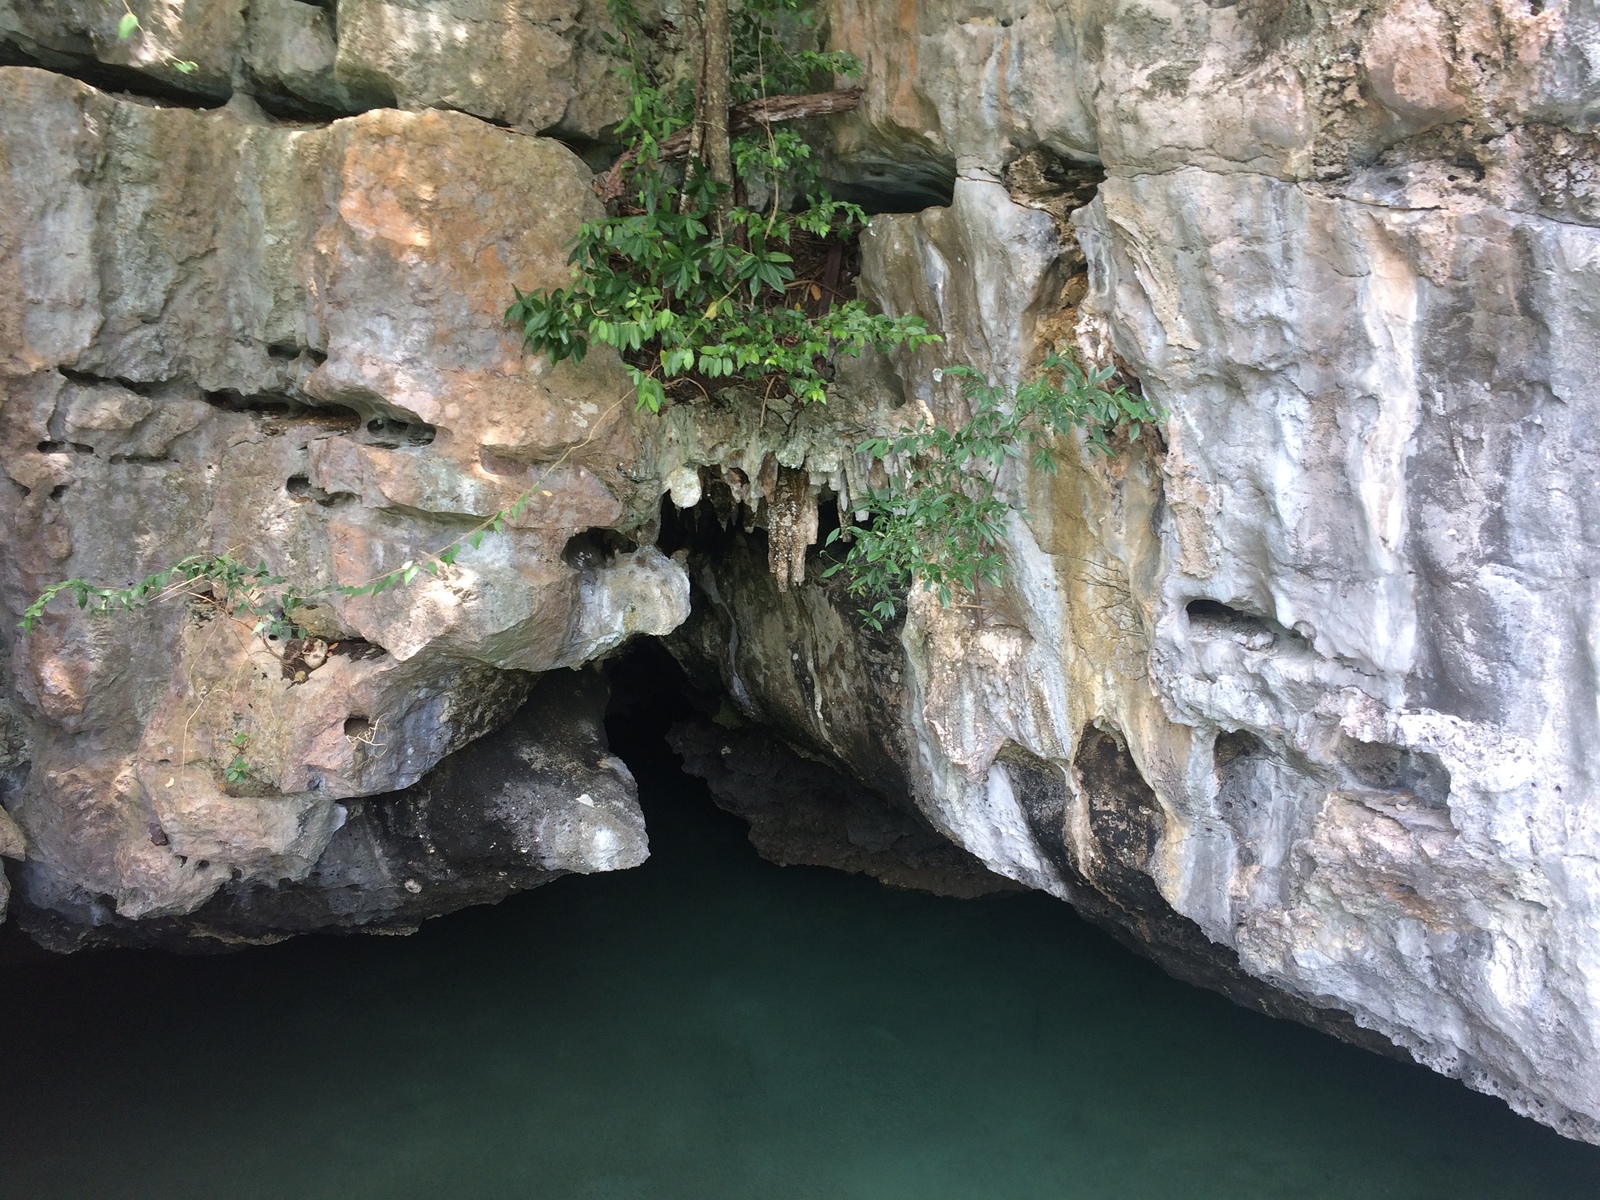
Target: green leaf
(126, 26)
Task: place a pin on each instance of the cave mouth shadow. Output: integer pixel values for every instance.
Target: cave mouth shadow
(650, 693)
(798, 806)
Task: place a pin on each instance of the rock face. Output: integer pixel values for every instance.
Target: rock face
(1316, 672)
(228, 335)
(540, 799)
(537, 66)
(1297, 695)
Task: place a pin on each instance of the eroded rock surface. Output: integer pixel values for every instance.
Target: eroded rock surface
(1298, 695)
(1333, 629)
(222, 335)
(540, 799)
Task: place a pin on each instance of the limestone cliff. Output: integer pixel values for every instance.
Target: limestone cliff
(225, 333)
(1298, 695)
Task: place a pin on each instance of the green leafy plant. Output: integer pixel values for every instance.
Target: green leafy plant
(238, 770)
(694, 288)
(940, 520)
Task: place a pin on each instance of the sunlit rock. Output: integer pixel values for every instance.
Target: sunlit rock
(287, 345)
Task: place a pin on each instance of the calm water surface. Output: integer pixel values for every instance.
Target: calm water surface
(711, 1026)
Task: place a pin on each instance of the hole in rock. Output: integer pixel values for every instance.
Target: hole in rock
(278, 412)
(300, 487)
(800, 806)
(595, 548)
(282, 105)
(126, 82)
(1232, 744)
(714, 527)
(392, 432)
(1124, 814)
(142, 387)
(1246, 779)
(1400, 769)
(65, 448)
(894, 187)
(267, 406)
(1201, 611)
(1041, 178)
(598, 155)
(289, 351)
(1213, 620)
(356, 648)
(357, 727)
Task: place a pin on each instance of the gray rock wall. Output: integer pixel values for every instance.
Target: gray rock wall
(283, 342)
(538, 66)
(1298, 695)
(1334, 632)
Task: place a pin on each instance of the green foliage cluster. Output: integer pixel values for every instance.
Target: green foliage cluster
(238, 770)
(692, 282)
(941, 519)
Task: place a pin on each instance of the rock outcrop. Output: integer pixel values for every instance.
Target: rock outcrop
(540, 67)
(1315, 672)
(541, 799)
(1296, 694)
(229, 335)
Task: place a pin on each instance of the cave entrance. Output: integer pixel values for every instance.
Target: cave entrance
(799, 808)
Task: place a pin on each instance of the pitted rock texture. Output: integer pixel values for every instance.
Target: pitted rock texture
(1336, 621)
(540, 799)
(224, 335)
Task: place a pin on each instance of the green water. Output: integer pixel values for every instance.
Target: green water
(711, 1026)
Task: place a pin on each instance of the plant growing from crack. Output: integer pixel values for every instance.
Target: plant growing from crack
(940, 520)
(255, 594)
(689, 283)
(696, 289)
(238, 770)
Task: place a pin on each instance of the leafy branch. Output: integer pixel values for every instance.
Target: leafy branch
(686, 281)
(940, 520)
